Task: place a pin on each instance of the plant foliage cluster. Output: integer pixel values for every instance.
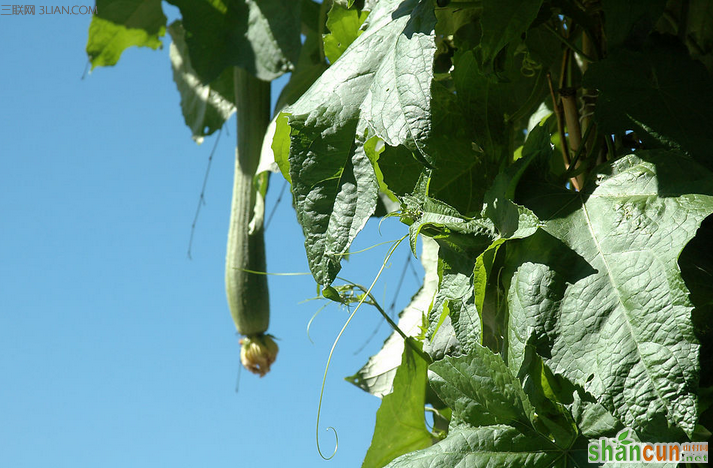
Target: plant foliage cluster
(556, 157)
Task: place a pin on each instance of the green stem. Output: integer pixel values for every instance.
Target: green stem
(407, 339)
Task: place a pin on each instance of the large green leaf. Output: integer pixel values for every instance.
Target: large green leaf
(335, 191)
(379, 86)
(383, 79)
(205, 107)
(497, 422)
(599, 294)
(660, 93)
(397, 104)
(400, 420)
(281, 145)
(120, 24)
(262, 37)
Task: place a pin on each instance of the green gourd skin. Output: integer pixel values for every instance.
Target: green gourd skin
(247, 293)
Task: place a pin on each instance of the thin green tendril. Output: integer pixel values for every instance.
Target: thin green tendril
(334, 345)
(309, 324)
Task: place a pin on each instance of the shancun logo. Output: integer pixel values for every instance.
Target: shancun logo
(622, 449)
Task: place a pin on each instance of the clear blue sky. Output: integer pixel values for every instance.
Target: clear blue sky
(116, 350)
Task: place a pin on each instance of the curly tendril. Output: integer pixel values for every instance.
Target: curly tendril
(334, 345)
